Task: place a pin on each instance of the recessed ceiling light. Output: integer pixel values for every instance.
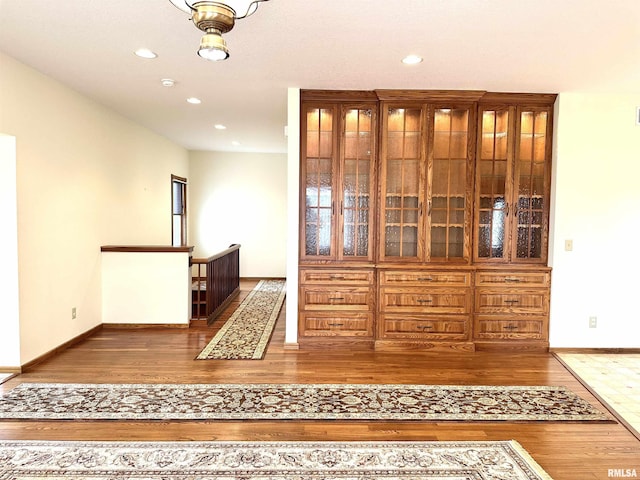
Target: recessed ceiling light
(235, 143)
(145, 53)
(168, 82)
(219, 126)
(411, 60)
(194, 100)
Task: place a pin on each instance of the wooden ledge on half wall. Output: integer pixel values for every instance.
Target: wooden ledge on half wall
(145, 248)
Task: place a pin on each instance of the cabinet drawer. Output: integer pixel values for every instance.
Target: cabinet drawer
(511, 279)
(512, 301)
(334, 325)
(425, 278)
(509, 328)
(340, 298)
(336, 277)
(431, 327)
(423, 300)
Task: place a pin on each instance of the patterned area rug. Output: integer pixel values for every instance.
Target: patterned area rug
(288, 402)
(261, 461)
(246, 334)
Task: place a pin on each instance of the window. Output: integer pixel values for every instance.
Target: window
(178, 211)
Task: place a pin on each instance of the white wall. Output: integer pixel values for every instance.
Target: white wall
(240, 198)
(597, 205)
(86, 177)
(9, 307)
(293, 218)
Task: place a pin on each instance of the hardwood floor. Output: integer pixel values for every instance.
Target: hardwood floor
(567, 451)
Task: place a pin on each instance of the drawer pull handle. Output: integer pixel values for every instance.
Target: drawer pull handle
(511, 302)
(425, 279)
(336, 324)
(511, 279)
(336, 277)
(336, 299)
(511, 327)
(425, 327)
(424, 300)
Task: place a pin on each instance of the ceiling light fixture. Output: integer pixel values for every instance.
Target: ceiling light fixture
(194, 100)
(168, 82)
(219, 126)
(412, 60)
(145, 53)
(214, 19)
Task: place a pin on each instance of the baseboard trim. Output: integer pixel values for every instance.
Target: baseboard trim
(144, 325)
(51, 353)
(10, 370)
(594, 350)
(291, 346)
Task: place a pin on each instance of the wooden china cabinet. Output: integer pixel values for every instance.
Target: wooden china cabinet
(426, 179)
(424, 219)
(337, 281)
(513, 183)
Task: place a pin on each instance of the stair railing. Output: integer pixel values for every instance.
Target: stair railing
(215, 282)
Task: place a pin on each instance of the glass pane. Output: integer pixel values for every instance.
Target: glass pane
(438, 242)
(455, 242)
(362, 240)
(409, 241)
(311, 240)
(491, 188)
(318, 182)
(358, 138)
(449, 182)
(349, 236)
(531, 183)
(324, 227)
(402, 181)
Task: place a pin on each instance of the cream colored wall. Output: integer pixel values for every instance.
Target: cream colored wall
(10, 316)
(240, 198)
(146, 288)
(597, 205)
(86, 177)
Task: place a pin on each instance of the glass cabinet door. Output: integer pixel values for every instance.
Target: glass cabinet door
(358, 153)
(318, 177)
(401, 183)
(492, 184)
(531, 185)
(447, 209)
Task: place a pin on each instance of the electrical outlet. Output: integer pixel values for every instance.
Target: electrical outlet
(593, 322)
(568, 245)
(73, 313)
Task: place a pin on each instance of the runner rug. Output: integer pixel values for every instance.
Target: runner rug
(245, 335)
(62, 401)
(505, 460)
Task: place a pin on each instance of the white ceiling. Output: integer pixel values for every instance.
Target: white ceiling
(548, 46)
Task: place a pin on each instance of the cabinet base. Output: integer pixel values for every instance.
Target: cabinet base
(512, 346)
(335, 343)
(413, 346)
